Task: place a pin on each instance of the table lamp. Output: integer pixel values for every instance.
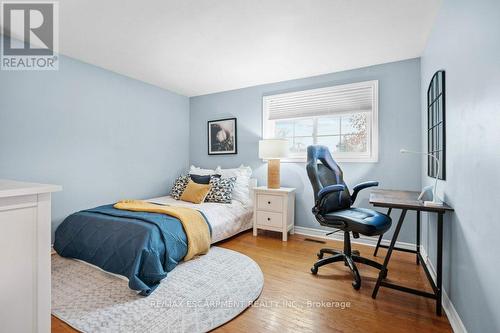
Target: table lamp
(435, 201)
(272, 150)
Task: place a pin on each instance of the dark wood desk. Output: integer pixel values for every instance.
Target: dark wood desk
(407, 200)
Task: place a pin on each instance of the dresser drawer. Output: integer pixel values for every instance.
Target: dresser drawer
(273, 203)
(270, 219)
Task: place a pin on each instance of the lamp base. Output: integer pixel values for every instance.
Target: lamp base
(433, 203)
(273, 174)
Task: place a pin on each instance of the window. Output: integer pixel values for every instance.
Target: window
(344, 118)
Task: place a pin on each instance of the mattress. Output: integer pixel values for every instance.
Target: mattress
(226, 220)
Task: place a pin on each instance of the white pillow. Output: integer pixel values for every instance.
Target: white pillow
(199, 171)
(244, 171)
(242, 174)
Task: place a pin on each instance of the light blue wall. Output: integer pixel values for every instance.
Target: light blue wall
(100, 135)
(465, 42)
(399, 126)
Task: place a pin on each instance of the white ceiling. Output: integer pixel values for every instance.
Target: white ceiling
(196, 47)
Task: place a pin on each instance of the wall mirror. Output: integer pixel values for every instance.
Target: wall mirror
(436, 129)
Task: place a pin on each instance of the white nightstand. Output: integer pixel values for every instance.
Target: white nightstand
(274, 210)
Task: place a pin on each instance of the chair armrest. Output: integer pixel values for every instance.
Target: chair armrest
(330, 189)
(359, 187)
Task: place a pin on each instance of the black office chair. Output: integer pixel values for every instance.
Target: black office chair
(332, 208)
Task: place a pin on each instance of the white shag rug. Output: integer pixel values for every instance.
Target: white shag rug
(197, 296)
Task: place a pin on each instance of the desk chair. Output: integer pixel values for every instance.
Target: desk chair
(333, 209)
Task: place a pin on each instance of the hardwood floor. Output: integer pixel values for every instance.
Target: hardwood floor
(295, 300)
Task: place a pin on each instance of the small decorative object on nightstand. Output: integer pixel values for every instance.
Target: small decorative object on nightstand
(274, 210)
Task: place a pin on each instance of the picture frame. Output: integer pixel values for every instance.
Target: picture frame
(222, 137)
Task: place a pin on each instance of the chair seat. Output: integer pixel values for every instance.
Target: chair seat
(361, 220)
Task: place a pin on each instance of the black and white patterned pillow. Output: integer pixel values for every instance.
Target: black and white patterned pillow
(179, 186)
(221, 190)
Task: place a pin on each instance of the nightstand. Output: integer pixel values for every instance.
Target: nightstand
(274, 210)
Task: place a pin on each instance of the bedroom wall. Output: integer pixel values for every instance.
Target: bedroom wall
(399, 126)
(465, 43)
(100, 135)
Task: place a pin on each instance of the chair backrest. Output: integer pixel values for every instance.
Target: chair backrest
(324, 174)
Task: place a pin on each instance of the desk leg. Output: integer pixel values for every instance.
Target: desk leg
(383, 272)
(418, 236)
(439, 268)
(378, 245)
(380, 237)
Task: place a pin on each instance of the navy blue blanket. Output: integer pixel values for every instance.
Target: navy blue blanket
(141, 246)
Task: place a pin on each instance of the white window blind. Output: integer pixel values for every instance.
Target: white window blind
(344, 117)
(321, 102)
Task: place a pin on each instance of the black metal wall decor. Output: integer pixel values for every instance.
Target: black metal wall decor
(436, 129)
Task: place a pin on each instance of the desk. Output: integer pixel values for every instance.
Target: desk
(407, 200)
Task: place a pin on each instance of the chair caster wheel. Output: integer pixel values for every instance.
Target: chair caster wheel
(356, 285)
(314, 270)
(320, 255)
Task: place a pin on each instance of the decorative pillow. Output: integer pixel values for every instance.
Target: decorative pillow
(242, 174)
(195, 193)
(179, 186)
(221, 191)
(200, 171)
(205, 179)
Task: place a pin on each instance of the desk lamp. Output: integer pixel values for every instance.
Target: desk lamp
(435, 201)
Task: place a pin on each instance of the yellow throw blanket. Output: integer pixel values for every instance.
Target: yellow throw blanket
(197, 231)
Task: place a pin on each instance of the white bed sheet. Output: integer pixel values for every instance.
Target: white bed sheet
(226, 219)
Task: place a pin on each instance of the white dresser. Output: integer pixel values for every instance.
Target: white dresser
(274, 210)
(25, 232)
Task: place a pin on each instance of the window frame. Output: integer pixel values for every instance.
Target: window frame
(268, 128)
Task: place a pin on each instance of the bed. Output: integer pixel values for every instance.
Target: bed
(226, 220)
(141, 246)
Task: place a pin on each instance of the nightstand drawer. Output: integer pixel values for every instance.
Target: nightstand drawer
(271, 203)
(270, 219)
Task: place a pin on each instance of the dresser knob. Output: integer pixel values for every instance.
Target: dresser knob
(269, 202)
(269, 219)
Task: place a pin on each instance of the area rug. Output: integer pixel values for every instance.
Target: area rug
(197, 296)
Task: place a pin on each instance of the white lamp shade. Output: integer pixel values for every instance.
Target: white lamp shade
(273, 149)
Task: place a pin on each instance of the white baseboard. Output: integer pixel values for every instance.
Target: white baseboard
(455, 321)
(365, 240)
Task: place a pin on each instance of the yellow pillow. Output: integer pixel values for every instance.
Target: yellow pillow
(195, 193)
